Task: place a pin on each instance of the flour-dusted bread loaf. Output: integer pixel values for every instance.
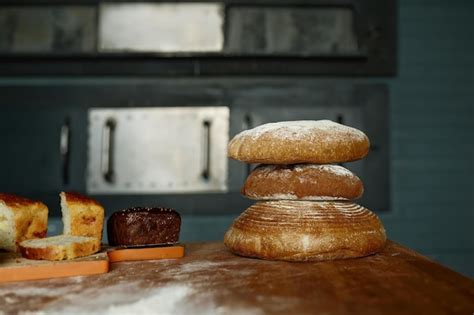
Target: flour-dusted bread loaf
(302, 182)
(59, 247)
(144, 226)
(305, 230)
(82, 216)
(305, 141)
(21, 219)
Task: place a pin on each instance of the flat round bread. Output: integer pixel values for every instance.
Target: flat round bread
(305, 141)
(302, 182)
(305, 231)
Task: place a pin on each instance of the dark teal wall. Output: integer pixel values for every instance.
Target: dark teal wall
(432, 130)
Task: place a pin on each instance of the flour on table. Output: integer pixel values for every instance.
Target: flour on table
(176, 299)
(166, 300)
(182, 295)
(172, 299)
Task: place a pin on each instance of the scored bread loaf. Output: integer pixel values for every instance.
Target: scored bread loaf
(305, 230)
(305, 141)
(302, 182)
(59, 247)
(81, 215)
(21, 219)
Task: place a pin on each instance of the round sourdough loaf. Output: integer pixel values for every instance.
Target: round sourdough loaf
(305, 141)
(302, 182)
(305, 230)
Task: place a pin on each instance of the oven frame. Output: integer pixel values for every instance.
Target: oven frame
(375, 26)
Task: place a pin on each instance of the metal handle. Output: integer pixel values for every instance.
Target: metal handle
(206, 168)
(340, 120)
(107, 158)
(64, 141)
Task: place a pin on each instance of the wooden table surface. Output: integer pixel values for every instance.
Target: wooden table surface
(210, 280)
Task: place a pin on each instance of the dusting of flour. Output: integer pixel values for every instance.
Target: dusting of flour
(182, 292)
(175, 299)
(299, 128)
(171, 299)
(269, 170)
(168, 300)
(334, 169)
(165, 300)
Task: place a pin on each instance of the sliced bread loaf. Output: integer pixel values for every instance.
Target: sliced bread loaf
(21, 219)
(59, 247)
(82, 216)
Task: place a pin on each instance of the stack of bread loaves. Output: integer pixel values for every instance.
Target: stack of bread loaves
(304, 209)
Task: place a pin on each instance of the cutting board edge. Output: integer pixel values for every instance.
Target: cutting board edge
(79, 268)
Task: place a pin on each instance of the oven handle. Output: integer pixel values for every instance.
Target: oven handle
(64, 149)
(107, 157)
(206, 167)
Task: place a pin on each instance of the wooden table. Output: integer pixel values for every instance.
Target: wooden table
(210, 280)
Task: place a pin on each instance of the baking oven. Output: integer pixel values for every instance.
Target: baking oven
(132, 115)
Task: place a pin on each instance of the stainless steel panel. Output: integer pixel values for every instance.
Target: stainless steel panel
(291, 30)
(158, 150)
(161, 27)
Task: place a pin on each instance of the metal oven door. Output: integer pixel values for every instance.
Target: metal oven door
(157, 150)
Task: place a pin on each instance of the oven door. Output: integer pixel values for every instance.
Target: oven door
(158, 150)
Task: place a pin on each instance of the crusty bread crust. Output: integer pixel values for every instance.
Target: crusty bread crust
(306, 141)
(302, 182)
(17, 202)
(75, 198)
(30, 217)
(61, 252)
(87, 215)
(305, 231)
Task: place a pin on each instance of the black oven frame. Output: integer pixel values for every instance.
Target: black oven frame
(375, 28)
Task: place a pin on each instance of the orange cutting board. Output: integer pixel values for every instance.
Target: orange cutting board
(13, 267)
(149, 253)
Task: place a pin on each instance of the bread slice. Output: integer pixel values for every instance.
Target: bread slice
(59, 247)
(21, 219)
(82, 216)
